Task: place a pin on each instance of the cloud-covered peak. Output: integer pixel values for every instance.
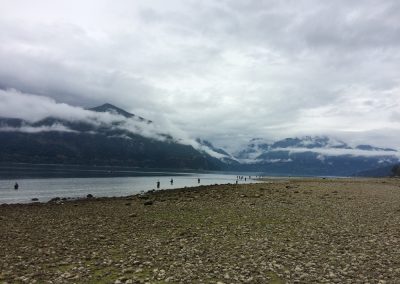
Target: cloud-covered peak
(32, 113)
(112, 109)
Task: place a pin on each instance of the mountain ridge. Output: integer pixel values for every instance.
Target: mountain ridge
(132, 140)
(95, 142)
(109, 108)
(319, 155)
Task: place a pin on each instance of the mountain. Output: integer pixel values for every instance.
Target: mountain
(396, 170)
(124, 139)
(109, 108)
(219, 153)
(312, 156)
(108, 135)
(387, 171)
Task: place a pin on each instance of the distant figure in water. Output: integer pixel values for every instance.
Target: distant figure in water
(172, 181)
(245, 179)
(158, 184)
(16, 186)
(198, 180)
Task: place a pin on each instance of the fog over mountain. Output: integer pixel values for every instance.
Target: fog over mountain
(222, 71)
(109, 135)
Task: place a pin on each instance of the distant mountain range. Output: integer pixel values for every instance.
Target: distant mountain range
(108, 135)
(314, 156)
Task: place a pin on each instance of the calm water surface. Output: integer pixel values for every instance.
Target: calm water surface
(46, 188)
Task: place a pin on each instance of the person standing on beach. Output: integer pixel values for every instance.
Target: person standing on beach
(198, 180)
(158, 184)
(172, 181)
(16, 186)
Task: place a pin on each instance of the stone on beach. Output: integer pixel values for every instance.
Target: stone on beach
(324, 231)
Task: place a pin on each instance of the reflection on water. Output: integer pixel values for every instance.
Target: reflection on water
(17, 171)
(46, 188)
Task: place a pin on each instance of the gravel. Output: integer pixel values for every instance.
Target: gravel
(280, 231)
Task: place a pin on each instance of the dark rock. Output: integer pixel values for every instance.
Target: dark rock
(148, 202)
(89, 196)
(35, 199)
(55, 199)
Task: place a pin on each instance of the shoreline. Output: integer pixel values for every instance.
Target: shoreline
(90, 197)
(288, 231)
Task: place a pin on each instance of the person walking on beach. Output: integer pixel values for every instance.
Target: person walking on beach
(198, 180)
(158, 184)
(172, 181)
(16, 186)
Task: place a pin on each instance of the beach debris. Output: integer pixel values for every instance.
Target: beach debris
(55, 200)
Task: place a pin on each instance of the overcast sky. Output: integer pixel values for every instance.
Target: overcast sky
(227, 71)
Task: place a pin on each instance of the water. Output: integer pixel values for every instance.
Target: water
(78, 187)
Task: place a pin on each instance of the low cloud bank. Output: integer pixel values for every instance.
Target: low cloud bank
(32, 129)
(341, 152)
(33, 108)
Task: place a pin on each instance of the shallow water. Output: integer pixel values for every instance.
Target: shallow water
(47, 188)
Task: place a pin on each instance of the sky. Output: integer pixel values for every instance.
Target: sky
(226, 71)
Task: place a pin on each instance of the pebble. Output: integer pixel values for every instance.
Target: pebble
(199, 236)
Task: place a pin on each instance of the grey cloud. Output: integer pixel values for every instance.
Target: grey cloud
(227, 71)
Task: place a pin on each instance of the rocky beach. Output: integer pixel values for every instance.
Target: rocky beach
(280, 231)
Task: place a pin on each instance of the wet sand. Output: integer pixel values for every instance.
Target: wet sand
(281, 231)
